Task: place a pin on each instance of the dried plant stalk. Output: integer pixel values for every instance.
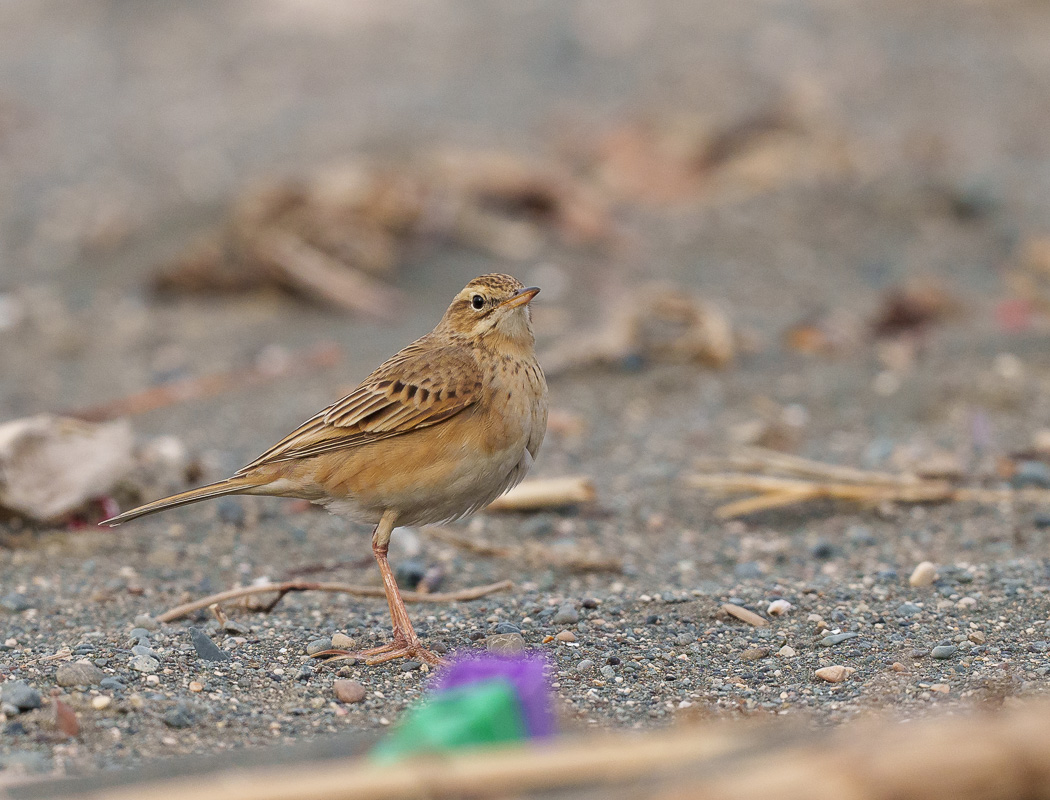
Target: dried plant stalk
(815, 480)
(542, 493)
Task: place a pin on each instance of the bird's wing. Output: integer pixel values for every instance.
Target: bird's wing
(420, 386)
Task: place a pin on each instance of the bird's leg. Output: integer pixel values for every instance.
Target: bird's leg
(405, 644)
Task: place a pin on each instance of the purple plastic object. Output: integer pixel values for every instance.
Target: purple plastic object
(525, 672)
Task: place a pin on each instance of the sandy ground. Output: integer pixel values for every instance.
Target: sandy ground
(125, 129)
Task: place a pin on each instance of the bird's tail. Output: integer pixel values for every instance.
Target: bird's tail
(237, 485)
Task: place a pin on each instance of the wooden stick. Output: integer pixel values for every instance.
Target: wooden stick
(543, 493)
(319, 357)
(282, 589)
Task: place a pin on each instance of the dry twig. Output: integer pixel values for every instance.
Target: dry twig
(281, 589)
(815, 480)
(545, 493)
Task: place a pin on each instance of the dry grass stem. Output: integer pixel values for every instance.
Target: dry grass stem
(815, 480)
(281, 589)
(546, 493)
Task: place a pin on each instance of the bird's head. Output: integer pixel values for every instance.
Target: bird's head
(492, 306)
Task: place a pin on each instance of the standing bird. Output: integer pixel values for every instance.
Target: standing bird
(437, 432)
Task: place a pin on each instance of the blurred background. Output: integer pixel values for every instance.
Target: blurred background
(787, 158)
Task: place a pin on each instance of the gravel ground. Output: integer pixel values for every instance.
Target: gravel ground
(633, 648)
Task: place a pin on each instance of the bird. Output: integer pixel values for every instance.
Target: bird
(435, 433)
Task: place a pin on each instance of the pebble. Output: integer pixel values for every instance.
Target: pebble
(146, 664)
(411, 666)
(142, 650)
(14, 603)
(836, 638)
(787, 651)
(138, 634)
(340, 641)
(506, 643)
(977, 637)
(607, 672)
(908, 610)
(778, 608)
(101, 702)
(744, 615)
(835, 673)
(943, 651)
(145, 621)
(78, 673)
(347, 691)
(585, 666)
(20, 695)
(566, 615)
(179, 717)
(1031, 473)
(113, 684)
(206, 649)
(566, 636)
(318, 646)
(196, 686)
(754, 653)
(924, 574)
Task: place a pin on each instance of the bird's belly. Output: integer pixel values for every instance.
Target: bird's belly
(432, 475)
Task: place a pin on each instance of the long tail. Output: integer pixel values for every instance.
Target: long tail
(229, 486)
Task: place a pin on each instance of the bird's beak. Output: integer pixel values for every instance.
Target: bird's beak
(521, 298)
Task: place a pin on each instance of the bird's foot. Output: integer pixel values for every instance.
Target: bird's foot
(411, 649)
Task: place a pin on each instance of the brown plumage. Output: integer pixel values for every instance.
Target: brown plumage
(438, 431)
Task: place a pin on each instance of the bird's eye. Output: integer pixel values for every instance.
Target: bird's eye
(477, 302)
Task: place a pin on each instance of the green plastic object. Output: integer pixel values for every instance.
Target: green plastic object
(468, 716)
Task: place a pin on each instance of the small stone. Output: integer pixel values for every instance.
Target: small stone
(836, 638)
(608, 672)
(835, 673)
(897, 666)
(787, 651)
(941, 688)
(206, 649)
(565, 636)
(138, 635)
(196, 686)
(318, 646)
(235, 628)
(20, 695)
(78, 673)
(754, 653)
(924, 574)
(14, 603)
(231, 511)
(943, 651)
(966, 602)
(101, 702)
(305, 673)
(145, 621)
(347, 691)
(142, 650)
(778, 608)
(585, 666)
(977, 637)
(340, 641)
(179, 717)
(113, 684)
(409, 574)
(146, 664)
(1031, 473)
(411, 666)
(566, 615)
(908, 610)
(506, 643)
(744, 615)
